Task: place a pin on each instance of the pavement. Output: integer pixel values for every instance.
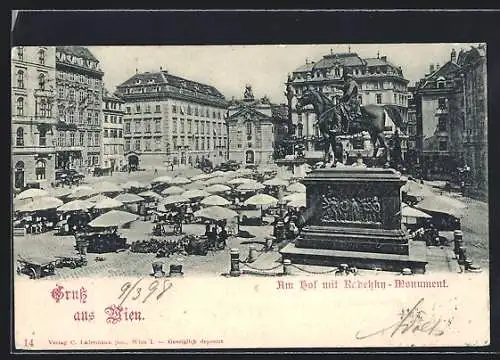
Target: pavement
(126, 263)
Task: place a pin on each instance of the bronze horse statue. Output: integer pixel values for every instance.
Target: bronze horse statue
(372, 120)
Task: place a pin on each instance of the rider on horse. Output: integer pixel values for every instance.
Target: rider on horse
(349, 108)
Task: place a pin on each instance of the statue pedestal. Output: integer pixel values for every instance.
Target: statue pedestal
(354, 217)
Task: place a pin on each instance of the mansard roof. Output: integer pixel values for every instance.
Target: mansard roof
(78, 51)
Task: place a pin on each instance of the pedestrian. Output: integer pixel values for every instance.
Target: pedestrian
(156, 171)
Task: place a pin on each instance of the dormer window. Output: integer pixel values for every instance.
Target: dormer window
(441, 82)
(138, 81)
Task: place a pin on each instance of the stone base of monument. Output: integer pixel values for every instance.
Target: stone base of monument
(353, 217)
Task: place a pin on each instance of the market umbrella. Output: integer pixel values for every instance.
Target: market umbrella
(230, 174)
(97, 198)
(150, 194)
(59, 192)
(244, 171)
(216, 213)
(200, 177)
(296, 188)
(129, 198)
(162, 179)
(409, 211)
(195, 185)
(81, 192)
(32, 193)
(215, 180)
(113, 218)
(218, 173)
(413, 188)
(173, 190)
(298, 203)
(215, 200)
(217, 188)
(285, 176)
(40, 203)
(174, 199)
(108, 204)
(276, 182)
(261, 199)
(76, 205)
(441, 204)
(135, 185)
(106, 187)
(251, 186)
(195, 193)
(268, 168)
(240, 180)
(295, 197)
(179, 180)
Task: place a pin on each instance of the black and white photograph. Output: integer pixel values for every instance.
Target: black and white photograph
(359, 169)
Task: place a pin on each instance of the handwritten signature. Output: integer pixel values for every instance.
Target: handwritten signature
(412, 321)
(159, 286)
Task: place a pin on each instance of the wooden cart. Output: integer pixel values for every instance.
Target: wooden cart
(36, 267)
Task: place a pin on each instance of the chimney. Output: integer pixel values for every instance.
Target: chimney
(384, 58)
(437, 67)
(453, 56)
(431, 68)
(161, 69)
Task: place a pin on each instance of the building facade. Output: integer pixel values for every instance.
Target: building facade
(113, 109)
(253, 129)
(33, 119)
(79, 110)
(380, 82)
(172, 119)
(451, 103)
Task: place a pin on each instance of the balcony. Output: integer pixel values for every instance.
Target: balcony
(69, 148)
(33, 149)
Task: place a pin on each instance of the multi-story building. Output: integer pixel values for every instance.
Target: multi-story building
(79, 111)
(412, 156)
(452, 117)
(253, 128)
(380, 82)
(113, 109)
(172, 119)
(473, 74)
(33, 119)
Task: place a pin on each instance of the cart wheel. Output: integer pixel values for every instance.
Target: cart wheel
(72, 265)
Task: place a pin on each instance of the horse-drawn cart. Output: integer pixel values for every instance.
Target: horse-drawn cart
(71, 261)
(36, 267)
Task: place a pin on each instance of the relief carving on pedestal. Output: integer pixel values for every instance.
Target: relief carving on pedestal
(338, 208)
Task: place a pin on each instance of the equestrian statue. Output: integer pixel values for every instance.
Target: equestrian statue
(349, 118)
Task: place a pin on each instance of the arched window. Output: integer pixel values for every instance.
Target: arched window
(40, 170)
(41, 81)
(300, 129)
(71, 116)
(20, 137)
(41, 56)
(20, 106)
(19, 175)
(20, 79)
(249, 157)
(20, 53)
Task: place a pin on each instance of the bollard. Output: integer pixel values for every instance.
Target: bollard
(235, 263)
(286, 267)
(251, 254)
(462, 255)
(158, 269)
(406, 271)
(458, 240)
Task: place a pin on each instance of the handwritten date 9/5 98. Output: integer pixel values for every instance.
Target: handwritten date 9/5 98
(142, 294)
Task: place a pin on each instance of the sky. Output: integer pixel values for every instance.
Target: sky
(264, 67)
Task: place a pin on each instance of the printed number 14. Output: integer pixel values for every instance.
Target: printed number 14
(28, 343)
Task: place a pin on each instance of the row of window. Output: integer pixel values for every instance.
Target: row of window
(21, 79)
(41, 55)
(113, 119)
(113, 105)
(71, 117)
(147, 109)
(73, 138)
(113, 133)
(114, 149)
(200, 127)
(146, 143)
(198, 143)
(81, 78)
(71, 94)
(147, 126)
(196, 111)
(44, 107)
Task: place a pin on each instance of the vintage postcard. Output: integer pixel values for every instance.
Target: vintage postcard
(246, 197)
